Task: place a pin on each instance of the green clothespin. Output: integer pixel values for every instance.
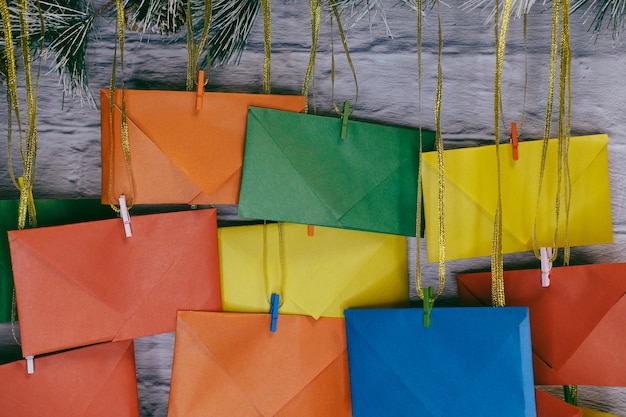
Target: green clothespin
(429, 295)
(571, 394)
(344, 119)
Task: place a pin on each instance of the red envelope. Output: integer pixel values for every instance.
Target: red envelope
(231, 365)
(577, 323)
(549, 406)
(87, 283)
(96, 381)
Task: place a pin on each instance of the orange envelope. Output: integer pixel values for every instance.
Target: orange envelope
(96, 381)
(549, 406)
(87, 283)
(577, 323)
(180, 155)
(230, 364)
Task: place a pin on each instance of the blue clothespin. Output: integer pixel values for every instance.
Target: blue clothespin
(429, 294)
(274, 301)
(344, 119)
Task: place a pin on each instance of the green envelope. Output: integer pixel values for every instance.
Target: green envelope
(298, 169)
(50, 212)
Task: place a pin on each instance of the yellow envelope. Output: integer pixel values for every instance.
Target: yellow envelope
(325, 273)
(471, 197)
(587, 412)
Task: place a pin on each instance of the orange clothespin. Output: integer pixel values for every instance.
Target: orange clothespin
(310, 230)
(200, 90)
(514, 142)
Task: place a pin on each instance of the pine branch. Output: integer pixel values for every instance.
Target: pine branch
(230, 27)
(520, 7)
(613, 12)
(66, 32)
(426, 4)
(359, 9)
(165, 17)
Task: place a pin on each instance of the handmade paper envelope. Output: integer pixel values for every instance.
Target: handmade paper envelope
(550, 406)
(180, 155)
(230, 364)
(87, 283)
(50, 212)
(298, 169)
(587, 412)
(469, 362)
(471, 197)
(324, 274)
(95, 381)
(576, 323)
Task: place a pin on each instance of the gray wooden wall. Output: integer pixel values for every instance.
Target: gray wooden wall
(386, 67)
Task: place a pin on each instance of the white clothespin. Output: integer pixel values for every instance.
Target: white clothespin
(546, 266)
(125, 216)
(30, 364)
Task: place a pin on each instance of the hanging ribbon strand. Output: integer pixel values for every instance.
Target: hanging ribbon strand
(497, 263)
(559, 50)
(121, 21)
(194, 49)
(267, 46)
(27, 139)
(315, 10)
(440, 164)
(344, 43)
(281, 257)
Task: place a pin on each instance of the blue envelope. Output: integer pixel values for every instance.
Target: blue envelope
(469, 362)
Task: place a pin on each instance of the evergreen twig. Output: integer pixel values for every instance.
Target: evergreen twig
(360, 9)
(611, 12)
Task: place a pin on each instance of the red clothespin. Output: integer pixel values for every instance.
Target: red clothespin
(514, 142)
(310, 230)
(200, 90)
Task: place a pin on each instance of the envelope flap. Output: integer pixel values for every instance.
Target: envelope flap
(98, 257)
(471, 184)
(550, 406)
(286, 361)
(71, 383)
(359, 269)
(561, 329)
(495, 347)
(122, 287)
(49, 212)
(206, 144)
(600, 356)
(373, 170)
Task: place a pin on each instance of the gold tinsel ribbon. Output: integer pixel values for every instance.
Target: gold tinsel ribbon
(28, 150)
(193, 48)
(267, 46)
(344, 43)
(560, 23)
(440, 162)
(121, 21)
(497, 264)
(315, 10)
(283, 267)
